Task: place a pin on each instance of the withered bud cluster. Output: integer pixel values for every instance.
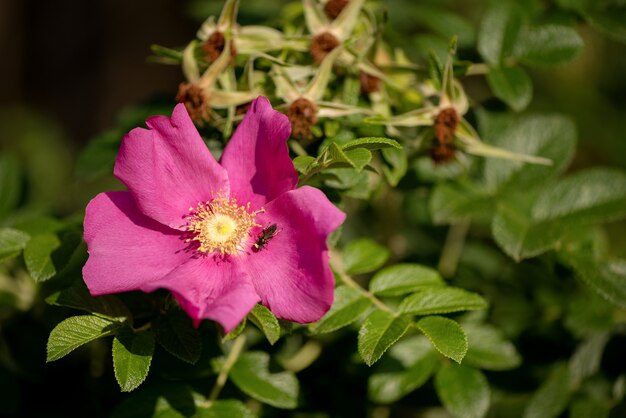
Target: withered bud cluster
(196, 101)
(214, 46)
(333, 8)
(321, 45)
(302, 113)
(369, 83)
(446, 123)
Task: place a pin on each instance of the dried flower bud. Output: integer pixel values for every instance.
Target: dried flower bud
(442, 153)
(321, 45)
(333, 8)
(302, 114)
(369, 83)
(446, 123)
(196, 101)
(214, 46)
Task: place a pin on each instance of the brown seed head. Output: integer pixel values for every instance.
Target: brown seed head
(302, 114)
(442, 153)
(196, 101)
(321, 45)
(214, 46)
(333, 8)
(446, 123)
(369, 83)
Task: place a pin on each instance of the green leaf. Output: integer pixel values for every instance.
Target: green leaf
(176, 334)
(363, 256)
(251, 374)
(401, 279)
(12, 242)
(446, 335)
(586, 359)
(397, 165)
(511, 85)
(227, 408)
(552, 397)
(38, 256)
(132, 355)
(548, 45)
(371, 144)
(237, 331)
(379, 331)
(591, 195)
(359, 157)
(488, 349)
(588, 407)
(348, 306)
(10, 184)
(78, 297)
(498, 31)
(76, 331)
(552, 137)
(440, 300)
(419, 362)
(612, 22)
(98, 157)
(266, 322)
(463, 391)
(302, 163)
(453, 202)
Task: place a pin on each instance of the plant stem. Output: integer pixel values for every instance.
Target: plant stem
(234, 354)
(453, 248)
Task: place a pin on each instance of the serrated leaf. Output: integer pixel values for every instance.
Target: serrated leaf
(371, 144)
(359, 157)
(446, 335)
(227, 408)
(78, 297)
(401, 279)
(511, 85)
(12, 242)
(463, 391)
(251, 374)
(75, 331)
(132, 355)
(379, 331)
(303, 162)
(419, 361)
(552, 397)
(440, 300)
(175, 332)
(591, 195)
(453, 202)
(548, 45)
(552, 137)
(488, 349)
(498, 31)
(237, 331)
(348, 306)
(38, 256)
(266, 322)
(363, 256)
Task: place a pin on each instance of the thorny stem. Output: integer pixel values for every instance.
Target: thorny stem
(234, 354)
(453, 248)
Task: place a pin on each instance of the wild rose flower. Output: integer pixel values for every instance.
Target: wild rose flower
(220, 237)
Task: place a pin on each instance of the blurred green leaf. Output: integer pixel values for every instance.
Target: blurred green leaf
(364, 256)
(251, 374)
(10, 184)
(611, 21)
(175, 332)
(12, 242)
(78, 297)
(379, 331)
(348, 306)
(452, 202)
(99, 155)
(511, 85)
(588, 407)
(488, 349)
(38, 256)
(227, 408)
(498, 31)
(75, 331)
(548, 45)
(440, 300)
(397, 165)
(552, 397)
(446, 335)
(586, 359)
(266, 322)
(132, 355)
(463, 391)
(401, 279)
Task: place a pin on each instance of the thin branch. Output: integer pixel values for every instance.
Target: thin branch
(234, 354)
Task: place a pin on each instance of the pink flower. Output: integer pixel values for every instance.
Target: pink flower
(205, 230)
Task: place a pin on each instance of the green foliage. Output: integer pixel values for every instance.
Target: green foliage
(464, 391)
(348, 306)
(12, 242)
(266, 322)
(132, 355)
(176, 333)
(364, 256)
(379, 331)
(552, 397)
(512, 85)
(76, 331)
(440, 300)
(446, 335)
(401, 279)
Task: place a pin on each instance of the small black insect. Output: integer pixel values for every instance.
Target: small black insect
(264, 237)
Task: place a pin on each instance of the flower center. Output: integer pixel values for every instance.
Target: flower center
(220, 225)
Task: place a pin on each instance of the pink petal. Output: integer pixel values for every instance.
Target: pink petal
(126, 249)
(207, 288)
(291, 273)
(257, 157)
(168, 168)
